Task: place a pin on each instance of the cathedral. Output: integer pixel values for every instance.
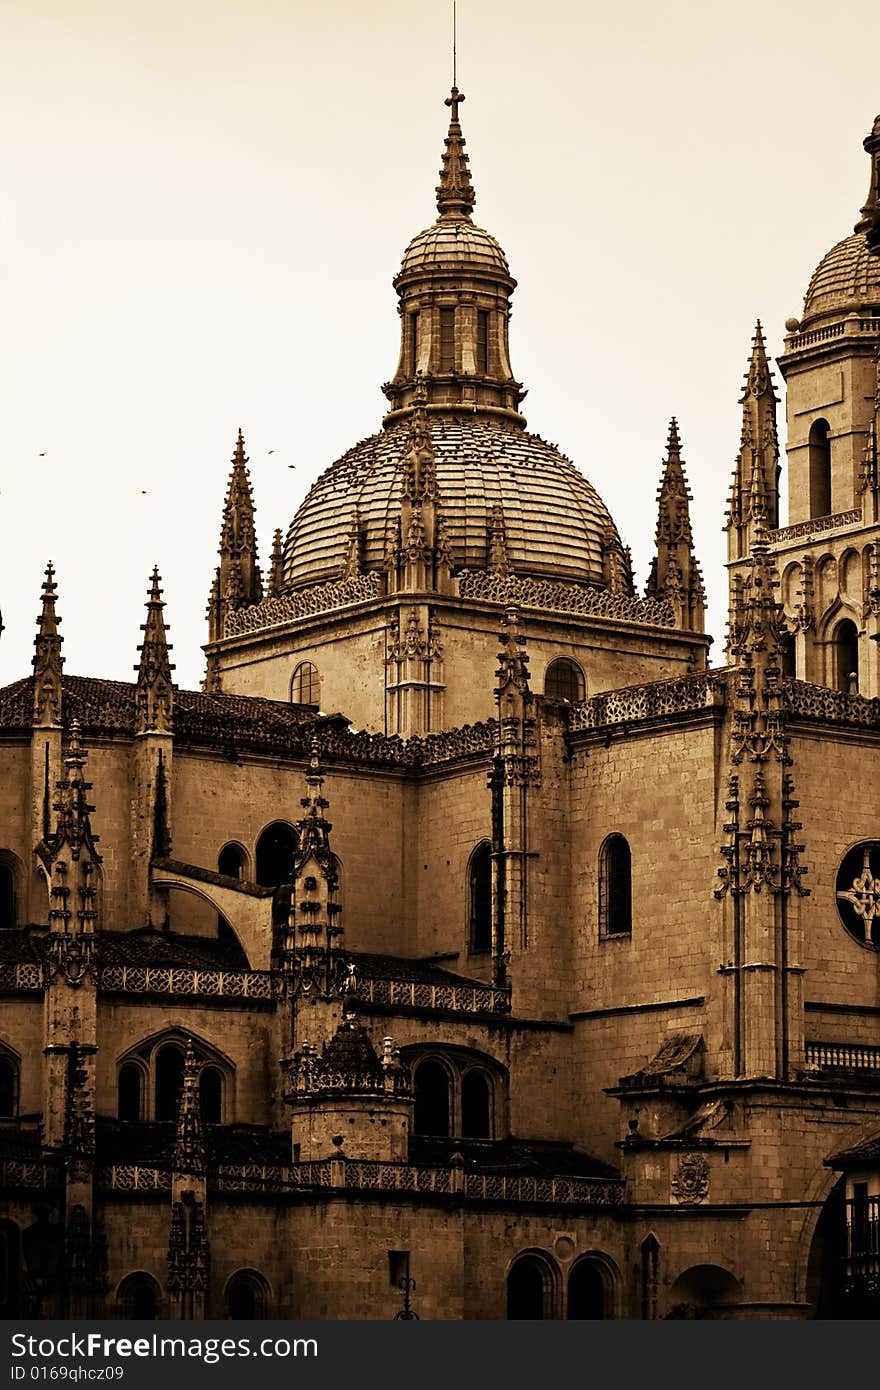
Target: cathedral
(468, 946)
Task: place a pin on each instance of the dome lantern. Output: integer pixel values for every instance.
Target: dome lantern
(454, 288)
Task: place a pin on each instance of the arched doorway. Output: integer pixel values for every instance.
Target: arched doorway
(703, 1291)
(529, 1289)
(586, 1291)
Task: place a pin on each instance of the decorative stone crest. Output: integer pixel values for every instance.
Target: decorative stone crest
(690, 1181)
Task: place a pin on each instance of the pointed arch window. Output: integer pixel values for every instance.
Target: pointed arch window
(276, 849)
(615, 887)
(9, 1077)
(433, 1111)
(820, 468)
(476, 1105)
(480, 899)
(788, 658)
(305, 685)
(565, 681)
(211, 1095)
(169, 1081)
(846, 656)
(232, 861)
(130, 1091)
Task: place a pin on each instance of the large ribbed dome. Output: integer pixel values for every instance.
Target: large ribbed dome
(554, 520)
(846, 280)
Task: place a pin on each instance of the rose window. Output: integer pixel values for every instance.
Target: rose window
(858, 893)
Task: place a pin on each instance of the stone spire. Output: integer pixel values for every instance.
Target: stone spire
(675, 573)
(238, 580)
(455, 192)
(313, 827)
(755, 489)
(48, 661)
(276, 566)
(154, 695)
(869, 222)
(73, 827)
(189, 1146)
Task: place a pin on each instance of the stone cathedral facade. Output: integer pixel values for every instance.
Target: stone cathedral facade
(469, 945)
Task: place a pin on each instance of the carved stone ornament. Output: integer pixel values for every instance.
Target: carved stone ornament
(690, 1181)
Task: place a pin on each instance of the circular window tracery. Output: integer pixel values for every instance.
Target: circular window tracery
(858, 893)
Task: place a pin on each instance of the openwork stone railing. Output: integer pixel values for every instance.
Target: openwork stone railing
(159, 979)
(363, 1176)
(564, 598)
(322, 598)
(814, 526)
(24, 978)
(23, 1173)
(818, 702)
(129, 1177)
(681, 694)
(603, 1192)
(471, 999)
(842, 1056)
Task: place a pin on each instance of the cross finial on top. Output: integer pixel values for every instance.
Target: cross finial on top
(454, 100)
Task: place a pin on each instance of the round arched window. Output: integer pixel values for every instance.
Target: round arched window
(858, 893)
(564, 681)
(305, 687)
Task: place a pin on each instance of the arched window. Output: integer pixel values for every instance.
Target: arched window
(528, 1289)
(564, 681)
(247, 1296)
(138, 1297)
(232, 861)
(480, 898)
(7, 896)
(586, 1291)
(787, 656)
(130, 1092)
(8, 1086)
(305, 686)
(432, 1113)
(169, 1081)
(10, 1269)
(615, 887)
(211, 1095)
(476, 1105)
(276, 848)
(150, 1080)
(846, 656)
(820, 468)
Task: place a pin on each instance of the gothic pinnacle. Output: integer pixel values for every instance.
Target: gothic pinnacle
(869, 222)
(48, 661)
(455, 193)
(155, 693)
(189, 1147)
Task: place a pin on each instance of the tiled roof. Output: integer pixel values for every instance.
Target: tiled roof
(378, 967)
(456, 243)
(847, 278)
(134, 948)
(523, 1157)
(861, 1155)
(151, 1143)
(553, 517)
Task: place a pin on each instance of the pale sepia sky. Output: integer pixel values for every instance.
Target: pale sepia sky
(204, 202)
